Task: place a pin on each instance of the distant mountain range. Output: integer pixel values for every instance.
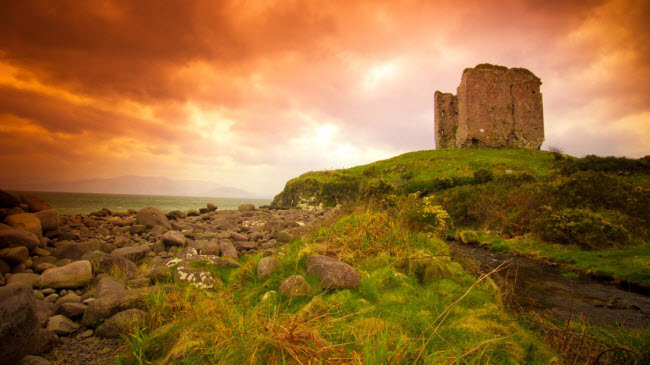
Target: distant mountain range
(141, 185)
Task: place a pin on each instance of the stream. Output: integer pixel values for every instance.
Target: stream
(542, 287)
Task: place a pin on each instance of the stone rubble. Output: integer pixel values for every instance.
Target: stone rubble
(72, 283)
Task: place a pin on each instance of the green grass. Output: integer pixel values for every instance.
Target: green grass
(333, 186)
(414, 305)
(445, 163)
(631, 263)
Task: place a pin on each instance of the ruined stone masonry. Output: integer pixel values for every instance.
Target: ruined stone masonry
(495, 107)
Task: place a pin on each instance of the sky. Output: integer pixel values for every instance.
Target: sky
(250, 93)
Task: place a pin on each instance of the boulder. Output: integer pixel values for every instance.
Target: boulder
(332, 273)
(246, 207)
(14, 255)
(266, 266)
(72, 275)
(151, 217)
(108, 304)
(295, 286)
(212, 207)
(46, 341)
(39, 268)
(228, 250)
(284, 237)
(49, 219)
(110, 264)
(210, 248)
(200, 278)
(173, 238)
(35, 203)
(121, 323)
(25, 222)
(61, 325)
(68, 298)
(238, 236)
(28, 278)
(44, 310)
(8, 200)
(159, 274)
(74, 250)
(72, 310)
(175, 214)
(133, 253)
(19, 326)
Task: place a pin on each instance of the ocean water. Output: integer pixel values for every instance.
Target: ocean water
(82, 203)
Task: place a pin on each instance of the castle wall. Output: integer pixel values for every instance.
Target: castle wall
(497, 107)
(446, 119)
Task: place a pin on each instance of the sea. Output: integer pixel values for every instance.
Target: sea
(83, 203)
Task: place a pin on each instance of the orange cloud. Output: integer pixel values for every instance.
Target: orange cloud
(251, 93)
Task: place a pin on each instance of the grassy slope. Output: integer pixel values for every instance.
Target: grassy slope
(425, 165)
(426, 309)
(629, 263)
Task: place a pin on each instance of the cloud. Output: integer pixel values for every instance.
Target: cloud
(252, 93)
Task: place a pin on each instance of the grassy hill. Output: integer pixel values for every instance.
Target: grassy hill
(565, 205)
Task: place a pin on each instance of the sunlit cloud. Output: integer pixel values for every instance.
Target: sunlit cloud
(253, 93)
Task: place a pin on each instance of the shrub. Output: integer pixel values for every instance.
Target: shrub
(425, 215)
(335, 192)
(580, 226)
(618, 165)
(468, 237)
(483, 176)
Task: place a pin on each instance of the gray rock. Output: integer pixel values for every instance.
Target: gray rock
(72, 275)
(17, 238)
(332, 273)
(14, 255)
(25, 222)
(61, 325)
(295, 286)
(174, 238)
(19, 325)
(266, 266)
(228, 250)
(199, 278)
(49, 219)
(133, 253)
(151, 217)
(120, 323)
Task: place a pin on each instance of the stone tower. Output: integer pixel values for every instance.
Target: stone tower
(495, 107)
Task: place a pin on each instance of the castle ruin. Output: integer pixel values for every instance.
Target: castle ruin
(495, 107)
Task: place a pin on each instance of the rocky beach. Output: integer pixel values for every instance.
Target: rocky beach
(72, 285)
